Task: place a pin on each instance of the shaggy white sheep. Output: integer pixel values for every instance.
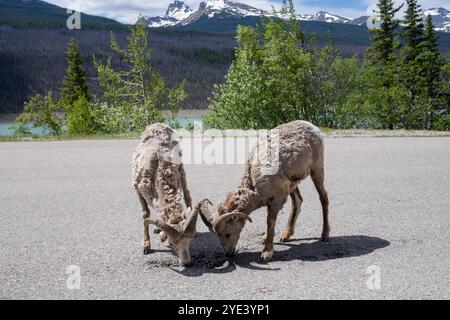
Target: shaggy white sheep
(160, 182)
(300, 149)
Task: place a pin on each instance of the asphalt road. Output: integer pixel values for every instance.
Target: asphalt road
(71, 204)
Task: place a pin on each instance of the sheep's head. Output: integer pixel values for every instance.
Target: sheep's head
(228, 221)
(180, 235)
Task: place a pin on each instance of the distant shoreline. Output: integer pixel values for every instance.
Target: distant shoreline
(186, 113)
(195, 113)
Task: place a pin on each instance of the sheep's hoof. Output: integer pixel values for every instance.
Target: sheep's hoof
(156, 231)
(147, 250)
(285, 236)
(187, 265)
(326, 238)
(266, 256)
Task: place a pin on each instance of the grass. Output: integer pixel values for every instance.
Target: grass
(34, 138)
(330, 133)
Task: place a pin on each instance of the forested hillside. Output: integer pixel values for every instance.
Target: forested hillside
(40, 14)
(33, 38)
(32, 61)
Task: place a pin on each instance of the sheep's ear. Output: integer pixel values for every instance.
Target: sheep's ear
(206, 216)
(191, 221)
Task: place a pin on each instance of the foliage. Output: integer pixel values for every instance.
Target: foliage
(413, 31)
(384, 41)
(41, 112)
(79, 117)
(30, 65)
(280, 75)
(74, 84)
(137, 93)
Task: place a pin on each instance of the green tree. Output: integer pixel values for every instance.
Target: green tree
(42, 112)
(384, 39)
(74, 83)
(412, 69)
(413, 31)
(74, 94)
(442, 108)
(138, 94)
(383, 63)
(431, 60)
(80, 119)
(280, 75)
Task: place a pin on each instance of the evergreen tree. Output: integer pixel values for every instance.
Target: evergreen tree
(383, 63)
(432, 64)
(384, 42)
(412, 30)
(74, 84)
(411, 67)
(431, 58)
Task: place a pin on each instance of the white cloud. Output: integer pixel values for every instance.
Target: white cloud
(425, 4)
(127, 11)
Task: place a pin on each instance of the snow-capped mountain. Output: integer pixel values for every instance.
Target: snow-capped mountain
(324, 16)
(179, 13)
(176, 12)
(224, 8)
(441, 18)
(361, 21)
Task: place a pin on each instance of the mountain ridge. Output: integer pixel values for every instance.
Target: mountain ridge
(233, 9)
(41, 14)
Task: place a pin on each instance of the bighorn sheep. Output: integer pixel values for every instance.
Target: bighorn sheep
(159, 178)
(300, 150)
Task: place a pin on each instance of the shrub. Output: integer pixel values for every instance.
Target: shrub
(41, 112)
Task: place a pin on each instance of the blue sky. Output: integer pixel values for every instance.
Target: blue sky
(127, 11)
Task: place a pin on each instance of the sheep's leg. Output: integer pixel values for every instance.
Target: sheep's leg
(145, 189)
(273, 210)
(264, 235)
(186, 193)
(318, 179)
(297, 200)
(145, 215)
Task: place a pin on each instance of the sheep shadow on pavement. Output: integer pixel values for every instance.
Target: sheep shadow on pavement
(208, 257)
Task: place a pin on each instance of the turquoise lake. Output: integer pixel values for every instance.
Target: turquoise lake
(184, 122)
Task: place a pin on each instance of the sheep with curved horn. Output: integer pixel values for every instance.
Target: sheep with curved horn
(300, 150)
(160, 183)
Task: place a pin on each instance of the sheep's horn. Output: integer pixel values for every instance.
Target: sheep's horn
(192, 221)
(167, 228)
(206, 216)
(231, 215)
